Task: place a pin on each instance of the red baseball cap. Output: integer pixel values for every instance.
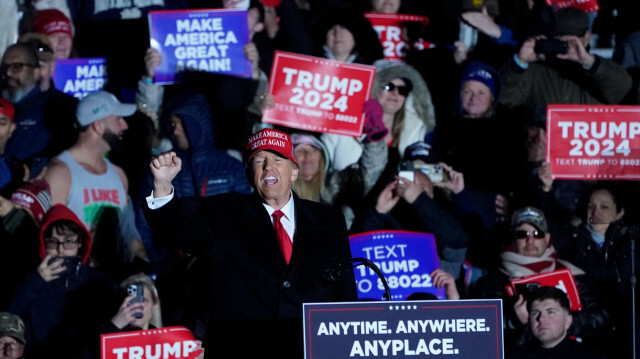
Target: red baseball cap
(51, 21)
(271, 140)
(6, 109)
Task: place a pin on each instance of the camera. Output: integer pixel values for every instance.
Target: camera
(434, 171)
(138, 291)
(551, 47)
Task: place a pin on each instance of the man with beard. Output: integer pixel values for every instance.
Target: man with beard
(36, 112)
(94, 188)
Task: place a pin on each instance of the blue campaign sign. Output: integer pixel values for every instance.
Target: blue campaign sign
(80, 77)
(461, 329)
(405, 258)
(199, 40)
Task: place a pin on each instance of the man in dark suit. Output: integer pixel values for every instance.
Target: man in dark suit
(259, 278)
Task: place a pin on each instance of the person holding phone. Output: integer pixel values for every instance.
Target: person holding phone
(412, 203)
(63, 301)
(528, 252)
(575, 77)
(138, 310)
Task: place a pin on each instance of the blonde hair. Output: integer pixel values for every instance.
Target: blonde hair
(156, 317)
(312, 190)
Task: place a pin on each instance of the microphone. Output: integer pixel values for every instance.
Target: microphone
(336, 271)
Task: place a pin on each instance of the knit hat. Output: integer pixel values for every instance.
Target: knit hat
(529, 215)
(271, 140)
(11, 326)
(6, 109)
(570, 21)
(98, 105)
(51, 21)
(477, 71)
(34, 196)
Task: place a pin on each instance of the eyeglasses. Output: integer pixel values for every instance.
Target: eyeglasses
(52, 244)
(402, 90)
(526, 234)
(14, 67)
(11, 346)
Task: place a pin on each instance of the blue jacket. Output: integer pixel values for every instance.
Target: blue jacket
(205, 169)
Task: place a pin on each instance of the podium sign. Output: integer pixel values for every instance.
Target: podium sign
(458, 329)
(594, 142)
(166, 343)
(316, 94)
(405, 258)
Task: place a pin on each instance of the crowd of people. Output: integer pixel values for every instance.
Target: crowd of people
(227, 221)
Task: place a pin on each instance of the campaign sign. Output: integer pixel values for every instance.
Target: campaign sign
(166, 343)
(199, 40)
(405, 258)
(594, 142)
(584, 5)
(461, 329)
(80, 77)
(393, 37)
(317, 94)
(561, 279)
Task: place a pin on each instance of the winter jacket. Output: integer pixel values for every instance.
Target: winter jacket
(62, 315)
(419, 117)
(564, 82)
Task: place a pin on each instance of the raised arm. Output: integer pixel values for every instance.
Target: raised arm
(164, 169)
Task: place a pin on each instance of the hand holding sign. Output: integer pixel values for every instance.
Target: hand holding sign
(320, 95)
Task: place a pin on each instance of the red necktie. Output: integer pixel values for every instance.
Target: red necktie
(283, 237)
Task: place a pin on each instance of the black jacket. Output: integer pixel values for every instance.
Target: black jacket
(256, 297)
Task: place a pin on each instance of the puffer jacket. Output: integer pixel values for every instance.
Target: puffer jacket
(205, 169)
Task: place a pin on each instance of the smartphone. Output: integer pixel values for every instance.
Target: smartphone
(433, 170)
(527, 288)
(551, 47)
(138, 291)
(71, 263)
(405, 170)
(468, 35)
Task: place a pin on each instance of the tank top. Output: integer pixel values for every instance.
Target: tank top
(89, 193)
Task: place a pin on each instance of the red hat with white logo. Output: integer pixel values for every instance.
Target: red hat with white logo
(270, 140)
(51, 21)
(34, 196)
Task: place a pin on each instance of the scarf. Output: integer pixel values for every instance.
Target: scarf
(517, 266)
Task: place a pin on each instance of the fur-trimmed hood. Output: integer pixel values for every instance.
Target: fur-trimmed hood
(419, 96)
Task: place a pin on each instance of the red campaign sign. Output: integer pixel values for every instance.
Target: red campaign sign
(561, 279)
(393, 38)
(166, 343)
(317, 94)
(594, 142)
(584, 5)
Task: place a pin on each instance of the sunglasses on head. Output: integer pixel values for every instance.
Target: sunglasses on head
(402, 90)
(526, 234)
